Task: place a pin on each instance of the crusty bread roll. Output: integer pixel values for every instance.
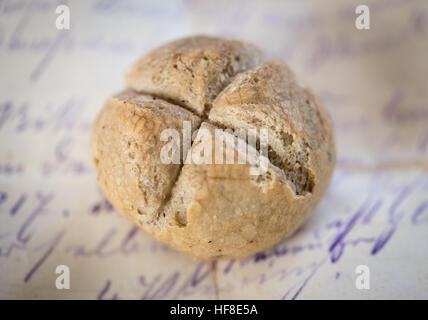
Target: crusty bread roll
(211, 209)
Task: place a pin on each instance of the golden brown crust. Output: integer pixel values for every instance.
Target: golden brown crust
(222, 211)
(269, 96)
(214, 210)
(126, 148)
(192, 71)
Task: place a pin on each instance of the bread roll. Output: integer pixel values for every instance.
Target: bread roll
(214, 209)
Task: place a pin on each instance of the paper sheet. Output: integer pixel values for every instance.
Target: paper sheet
(373, 82)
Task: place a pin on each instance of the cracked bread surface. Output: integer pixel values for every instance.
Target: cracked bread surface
(126, 146)
(213, 210)
(192, 71)
(269, 96)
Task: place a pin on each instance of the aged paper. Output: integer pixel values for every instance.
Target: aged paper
(52, 213)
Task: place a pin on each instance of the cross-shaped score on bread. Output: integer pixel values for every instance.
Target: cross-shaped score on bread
(216, 146)
(213, 210)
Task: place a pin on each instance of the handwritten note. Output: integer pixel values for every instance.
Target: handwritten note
(373, 82)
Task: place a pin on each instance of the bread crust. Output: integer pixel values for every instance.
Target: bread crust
(192, 71)
(212, 211)
(126, 145)
(247, 213)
